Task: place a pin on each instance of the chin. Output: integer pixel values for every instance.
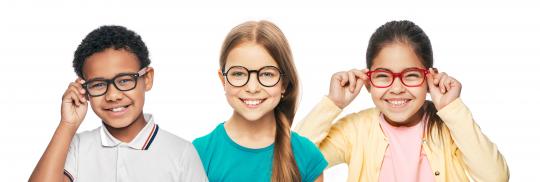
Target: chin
(398, 117)
(115, 123)
(252, 116)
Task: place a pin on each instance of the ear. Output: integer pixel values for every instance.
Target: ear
(368, 86)
(148, 79)
(221, 77)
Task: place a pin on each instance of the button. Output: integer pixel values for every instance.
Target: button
(437, 173)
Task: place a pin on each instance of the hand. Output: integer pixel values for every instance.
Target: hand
(74, 104)
(443, 88)
(345, 86)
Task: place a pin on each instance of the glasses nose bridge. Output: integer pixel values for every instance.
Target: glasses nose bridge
(396, 87)
(254, 81)
(112, 90)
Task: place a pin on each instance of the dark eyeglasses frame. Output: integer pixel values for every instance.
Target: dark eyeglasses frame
(281, 74)
(135, 76)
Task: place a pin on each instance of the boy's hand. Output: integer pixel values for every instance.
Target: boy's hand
(74, 104)
(443, 88)
(346, 85)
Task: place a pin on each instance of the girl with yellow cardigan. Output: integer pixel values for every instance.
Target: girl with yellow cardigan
(405, 137)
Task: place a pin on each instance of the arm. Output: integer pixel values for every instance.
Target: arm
(481, 157)
(51, 165)
(334, 140)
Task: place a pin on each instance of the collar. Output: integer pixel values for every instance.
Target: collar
(142, 141)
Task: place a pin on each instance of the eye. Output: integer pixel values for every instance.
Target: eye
(413, 75)
(267, 74)
(124, 81)
(237, 74)
(98, 85)
(382, 75)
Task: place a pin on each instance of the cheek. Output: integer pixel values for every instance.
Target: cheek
(231, 91)
(377, 93)
(419, 92)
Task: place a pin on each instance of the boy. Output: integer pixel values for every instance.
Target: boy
(112, 66)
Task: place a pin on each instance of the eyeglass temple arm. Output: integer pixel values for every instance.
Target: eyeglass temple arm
(142, 71)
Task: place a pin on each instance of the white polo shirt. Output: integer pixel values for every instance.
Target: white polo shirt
(153, 155)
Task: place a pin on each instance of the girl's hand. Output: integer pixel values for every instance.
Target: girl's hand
(345, 86)
(74, 104)
(443, 88)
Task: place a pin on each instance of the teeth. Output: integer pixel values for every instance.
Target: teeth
(252, 102)
(118, 109)
(397, 102)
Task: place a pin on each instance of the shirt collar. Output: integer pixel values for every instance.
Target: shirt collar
(142, 141)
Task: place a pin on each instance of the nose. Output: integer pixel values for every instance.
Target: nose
(253, 85)
(113, 94)
(397, 86)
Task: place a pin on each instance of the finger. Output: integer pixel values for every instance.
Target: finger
(352, 80)
(76, 92)
(442, 80)
(359, 84)
(78, 86)
(71, 98)
(431, 82)
(336, 79)
(344, 79)
(448, 83)
(362, 74)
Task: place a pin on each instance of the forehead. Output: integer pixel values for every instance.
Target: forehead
(396, 57)
(251, 56)
(109, 63)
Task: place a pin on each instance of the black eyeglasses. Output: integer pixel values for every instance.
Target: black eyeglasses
(122, 82)
(267, 76)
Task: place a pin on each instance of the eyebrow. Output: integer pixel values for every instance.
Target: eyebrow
(386, 69)
(251, 69)
(103, 78)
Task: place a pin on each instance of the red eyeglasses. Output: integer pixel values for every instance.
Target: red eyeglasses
(410, 77)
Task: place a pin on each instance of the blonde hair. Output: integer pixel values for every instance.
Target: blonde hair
(270, 37)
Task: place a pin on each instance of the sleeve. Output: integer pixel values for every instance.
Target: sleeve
(316, 162)
(480, 155)
(70, 168)
(332, 140)
(191, 166)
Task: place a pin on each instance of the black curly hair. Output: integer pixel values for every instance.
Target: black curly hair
(110, 36)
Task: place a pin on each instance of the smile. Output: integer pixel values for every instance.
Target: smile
(118, 109)
(396, 103)
(252, 103)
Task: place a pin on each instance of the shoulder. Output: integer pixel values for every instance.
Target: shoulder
(309, 159)
(168, 139)
(89, 137)
(360, 119)
(303, 146)
(203, 142)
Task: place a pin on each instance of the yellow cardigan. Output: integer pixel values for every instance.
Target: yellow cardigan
(357, 139)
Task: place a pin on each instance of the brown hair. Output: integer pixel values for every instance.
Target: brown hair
(270, 37)
(411, 34)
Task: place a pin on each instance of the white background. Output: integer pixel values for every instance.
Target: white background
(491, 47)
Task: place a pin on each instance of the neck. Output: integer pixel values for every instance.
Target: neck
(412, 121)
(126, 134)
(252, 134)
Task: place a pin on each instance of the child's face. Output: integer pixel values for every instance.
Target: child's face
(399, 103)
(252, 101)
(116, 108)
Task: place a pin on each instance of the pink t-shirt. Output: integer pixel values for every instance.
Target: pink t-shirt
(404, 159)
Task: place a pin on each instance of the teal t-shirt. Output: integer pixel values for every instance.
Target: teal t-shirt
(225, 160)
